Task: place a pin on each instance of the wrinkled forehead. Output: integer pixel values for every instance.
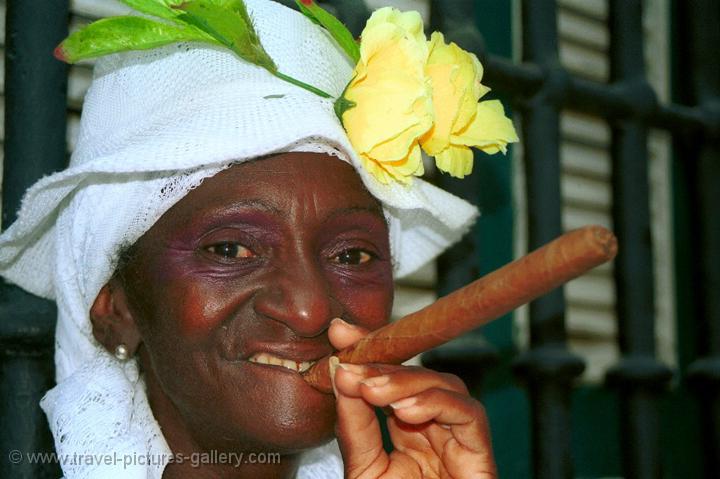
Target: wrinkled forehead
(303, 184)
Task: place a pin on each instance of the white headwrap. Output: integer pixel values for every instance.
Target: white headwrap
(154, 125)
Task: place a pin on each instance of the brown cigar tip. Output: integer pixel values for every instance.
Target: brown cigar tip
(318, 376)
(605, 239)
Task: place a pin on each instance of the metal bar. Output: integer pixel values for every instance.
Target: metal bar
(458, 266)
(541, 129)
(638, 376)
(702, 19)
(705, 371)
(548, 367)
(631, 220)
(35, 116)
(520, 80)
(636, 101)
(470, 355)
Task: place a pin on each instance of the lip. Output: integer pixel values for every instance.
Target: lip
(293, 351)
(278, 378)
(272, 367)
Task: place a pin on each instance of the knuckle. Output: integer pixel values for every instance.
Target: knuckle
(433, 395)
(480, 408)
(454, 382)
(412, 369)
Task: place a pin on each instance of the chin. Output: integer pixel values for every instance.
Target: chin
(274, 435)
(296, 440)
(295, 429)
(264, 420)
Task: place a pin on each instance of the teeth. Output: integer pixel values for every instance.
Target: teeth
(265, 358)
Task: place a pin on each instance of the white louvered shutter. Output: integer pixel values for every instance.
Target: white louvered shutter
(587, 191)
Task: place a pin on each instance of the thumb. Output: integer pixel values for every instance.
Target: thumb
(357, 428)
(343, 334)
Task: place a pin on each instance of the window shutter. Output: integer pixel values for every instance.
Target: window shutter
(587, 191)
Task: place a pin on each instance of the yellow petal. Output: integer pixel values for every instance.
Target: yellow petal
(445, 104)
(375, 169)
(393, 97)
(456, 160)
(490, 130)
(455, 77)
(388, 118)
(467, 80)
(389, 24)
(397, 148)
(402, 171)
(411, 165)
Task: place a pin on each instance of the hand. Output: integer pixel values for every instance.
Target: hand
(437, 429)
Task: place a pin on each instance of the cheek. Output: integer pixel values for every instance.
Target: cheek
(190, 306)
(368, 305)
(204, 306)
(193, 316)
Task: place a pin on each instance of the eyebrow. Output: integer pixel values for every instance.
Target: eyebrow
(251, 203)
(228, 209)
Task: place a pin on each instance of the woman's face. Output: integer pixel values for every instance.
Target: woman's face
(249, 269)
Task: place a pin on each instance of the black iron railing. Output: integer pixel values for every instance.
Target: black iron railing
(699, 36)
(540, 88)
(638, 376)
(35, 116)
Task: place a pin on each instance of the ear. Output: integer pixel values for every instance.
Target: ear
(113, 322)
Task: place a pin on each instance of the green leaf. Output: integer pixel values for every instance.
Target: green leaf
(342, 104)
(218, 22)
(229, 23)
(156, 8)
(336, 28)
(307, 13)
(119, 34)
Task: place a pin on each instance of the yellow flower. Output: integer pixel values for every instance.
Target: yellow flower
(391, 96)
(460, 121)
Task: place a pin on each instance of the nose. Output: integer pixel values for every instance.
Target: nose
(298, 295)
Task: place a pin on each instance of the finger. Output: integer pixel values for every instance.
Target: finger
(343, 334)
(464, 416)
(457, 428)
(357, 428)
(392, 383)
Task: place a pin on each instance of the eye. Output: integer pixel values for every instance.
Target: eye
(230, 250)
(355, 256)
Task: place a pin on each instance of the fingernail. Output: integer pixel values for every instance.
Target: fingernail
(376, 382)
(404, 403)
(333, 364)
(343, 322)
(353, 368)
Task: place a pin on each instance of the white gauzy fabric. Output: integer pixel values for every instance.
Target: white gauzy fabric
(154, 125)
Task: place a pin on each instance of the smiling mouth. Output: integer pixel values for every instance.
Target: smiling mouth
(265, 358)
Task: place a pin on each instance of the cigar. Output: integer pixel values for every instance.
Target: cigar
(476, 304)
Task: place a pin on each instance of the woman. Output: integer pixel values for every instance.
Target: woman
(214, 234)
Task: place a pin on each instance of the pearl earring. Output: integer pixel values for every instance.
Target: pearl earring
(121, 352)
